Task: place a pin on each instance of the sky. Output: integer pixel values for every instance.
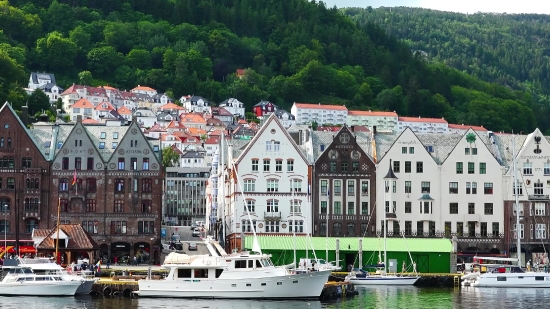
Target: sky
(463, 6)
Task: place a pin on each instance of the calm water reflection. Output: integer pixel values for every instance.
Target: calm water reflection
(371, 297)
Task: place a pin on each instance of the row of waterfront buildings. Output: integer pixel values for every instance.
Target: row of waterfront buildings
(346, 183)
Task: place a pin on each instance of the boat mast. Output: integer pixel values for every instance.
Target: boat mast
(221, 182)
(516, 189)
(326, 229)
(389, 179)
(57, 238)
(293, 217)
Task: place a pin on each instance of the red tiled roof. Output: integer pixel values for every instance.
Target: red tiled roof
(240, 72)
(78, 238)
(90, 121)
(372, 113)
(177, 150)
(123, 110)
(466, 127)
(415, 119)
(108, 107)
(144, 88)
(328, 129)
(212, 140)
(320, 106)
(156, 128)
(174, 124)
(82, 103)
(171, 106)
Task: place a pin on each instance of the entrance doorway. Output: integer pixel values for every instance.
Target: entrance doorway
(350, 260)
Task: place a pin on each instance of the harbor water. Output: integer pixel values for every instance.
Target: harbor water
(369, 297)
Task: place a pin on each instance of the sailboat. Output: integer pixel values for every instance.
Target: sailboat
(360, 277)
(511, 276)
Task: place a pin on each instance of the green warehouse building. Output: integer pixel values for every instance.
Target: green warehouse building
(431, 255)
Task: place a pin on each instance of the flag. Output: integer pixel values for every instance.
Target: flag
(74, 177)
(328, 192)
(98, 265)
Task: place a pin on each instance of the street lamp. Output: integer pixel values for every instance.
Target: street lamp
(5, 212)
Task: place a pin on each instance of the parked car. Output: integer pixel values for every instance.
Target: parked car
(196, 233)
(194, 226)
(192, 246)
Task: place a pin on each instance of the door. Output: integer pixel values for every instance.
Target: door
(422, 262)
(350, 260)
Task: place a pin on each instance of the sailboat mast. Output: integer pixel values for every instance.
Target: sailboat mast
(386, 226)
(293, 217)
(221, 180)
(516, 189)
(57, 237)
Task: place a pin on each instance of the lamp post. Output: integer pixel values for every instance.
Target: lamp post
(5, 213)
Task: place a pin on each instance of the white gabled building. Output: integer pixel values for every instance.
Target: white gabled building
(234, 106)
(423, 125)
(320, 113)
(273, 174)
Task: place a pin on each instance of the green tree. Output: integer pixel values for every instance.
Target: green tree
(85, 78)
(38, 101)
(170, 158)
(139, 58)
(56, 52)
(104, 60)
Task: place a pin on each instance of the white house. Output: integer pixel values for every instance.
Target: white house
(286, 118)
(191, 159)
(233, 106)
(269, 175)
(383, 121)
(83, 108)
(423, 125)
(212, 145)
(74, 93)
(144, 90)
(320, 113)
(45, 82)
(195, 104)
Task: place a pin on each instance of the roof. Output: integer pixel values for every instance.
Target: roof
(82, 103)
(78, 238)
(220, 112)
(176, 149)
(143, 88)
(104, 106)
(212, 140)
(171, 106)
(90, 121)
(240, 72)
(372, 113)
(419, 119)
(36, 75)
(37, 142)
(214, 122)
(123, 110)
(109, 87)
(321, 106)
(192, 117)
(174, 124)
(264, 103)
(40, 232)
(466, 127)
(372, 244)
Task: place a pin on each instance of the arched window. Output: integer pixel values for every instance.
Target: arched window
(31, 225)
(28, 184)
(351, 230)
(5, 203)
(296, 206)
(36, 184)
(323, 229)
(11, 183)
(1, 142)
(9, 142)
(337, 229)
(364, 227)
(4, 226)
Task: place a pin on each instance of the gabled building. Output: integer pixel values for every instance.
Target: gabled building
(344, 185)
(320, 113)
(264, 109)
(144, 90)
(268, 177)
(286, 118)
(193, 120)
(195, 104)
(82, 108)
(222, 114)
(234, 106)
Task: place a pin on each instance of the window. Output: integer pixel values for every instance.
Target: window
(407, 166)
(495, 229)
(364, 187)
(355, 167)
(135, 184)
(337, 208)
(351, 187)
(472, 229)
(333, 167)
(91, 185)
(459, 228)
(146, 206)
(63, 185)
(453, 208)
(115, 135)
(408, 188)
(419, 167)
(26, 162)
(515, 231)
(119, 185)
(527, 168)
(425, 187)
(255, 163)
(344, 166)
(31, 225)
(467, 150)
(483, 229)
(272, 185)
(118, 227)
(471, 208)
(453, 187)
(32, 204)
(290, 165)
(247, 227)
(266, 165)
(250, 206)
(90, 205)
(133, 164)
(337, 187)
(420, 228)
(350, 231)
(468, 187)
(471, 167)
(114, 144)
(547, 169)
(474, 187)
(119, 206)
(272, 205)
(411, 150)
(102, 135)
(540, 209)
(323, 207)
(101, 145)
(145, 164)
(408, 207)
(268, 146)
(539, 190)
(396, 166)
(404, 150)
(90, 164)
(89, 226)
(1, 142)
(133, 143)
(146, 227)
(408, 228)
(518, 188)
(278, 165)
(64, 205)
(65, 163)
(296, 226)
(272, 226)
(427, 207)
(459, 167)
(488, 207)
(488, 188)
(482, 168)
(324, 184)
(540, 231)
(351, 208)
(364, 208)
(120, 163)
(249, 185)
(337, 229)
(147, 185)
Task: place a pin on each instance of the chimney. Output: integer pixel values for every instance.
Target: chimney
(352, 128)
(374, 129)
(134, 118)
(79, 118)
(25, 115)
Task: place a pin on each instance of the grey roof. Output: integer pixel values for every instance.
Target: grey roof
(264, 103)
(196, 98)
(384, 141)
(319, 138)
(193, 154)
(229, 102)
(144, 112)
(280, 112)
(161, 116)
(48, 87)
(95, 135)
(144, 97)
(442, 144)
(34, 76)
(298, 127)
(504, 144)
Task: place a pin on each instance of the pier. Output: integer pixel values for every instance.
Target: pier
(427, 280)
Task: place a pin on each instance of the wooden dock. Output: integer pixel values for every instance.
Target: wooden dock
(435, 280)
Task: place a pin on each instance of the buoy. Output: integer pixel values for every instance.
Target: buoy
(107, 291)
(127, 292)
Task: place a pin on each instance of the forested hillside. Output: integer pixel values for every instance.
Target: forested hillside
(511, 50)
(294, 51)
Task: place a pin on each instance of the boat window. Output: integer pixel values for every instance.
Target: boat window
(218, 272)
(279, 283)
(27, 271)
(248, 284)
(233, 285)
(539, 278)
(240, 264)
(258, 264)
(265, 263)
(295, 281)
(250, 263)
(201, 273)
(184, 273)
(263, 284)
(501, 278)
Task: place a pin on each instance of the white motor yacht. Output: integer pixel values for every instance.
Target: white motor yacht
(22, 281)
(47, 267)
(240, 275)
(509, 276)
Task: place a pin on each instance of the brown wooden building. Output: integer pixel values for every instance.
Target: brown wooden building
(344, 184)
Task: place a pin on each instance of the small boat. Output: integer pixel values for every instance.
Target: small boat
(308, 264)
(22, 281)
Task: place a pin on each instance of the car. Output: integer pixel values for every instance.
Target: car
(192, 246)
(196, 233)
(194, 226)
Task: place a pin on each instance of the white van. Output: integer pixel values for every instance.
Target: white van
(199, 223)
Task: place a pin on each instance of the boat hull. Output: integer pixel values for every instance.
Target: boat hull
(309, 285)
(85, 287)
(379, 280)
(512, 280)
(39, 288)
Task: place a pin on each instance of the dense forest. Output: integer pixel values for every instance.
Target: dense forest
(509, 49)
(293, 50)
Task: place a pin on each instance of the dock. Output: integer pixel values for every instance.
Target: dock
(431, 280)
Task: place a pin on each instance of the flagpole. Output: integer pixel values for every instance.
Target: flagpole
(57, 238)
(326, 234)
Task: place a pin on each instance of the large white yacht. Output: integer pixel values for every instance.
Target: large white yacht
(47, 267)
(21, 281)
(239, 275)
